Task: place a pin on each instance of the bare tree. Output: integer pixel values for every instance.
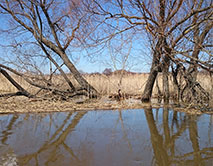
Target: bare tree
(169, 25)
(52, 25)
(120, 52)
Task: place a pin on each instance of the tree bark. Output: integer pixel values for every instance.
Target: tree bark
(62, 54)
(57, 66)
(52, 42)
(84, 84)
(165, 69)
(165, 86)
(177, 88)
(147, 93)
(22, 91)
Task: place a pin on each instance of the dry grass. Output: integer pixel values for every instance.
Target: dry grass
(132, 84)
(7, 87)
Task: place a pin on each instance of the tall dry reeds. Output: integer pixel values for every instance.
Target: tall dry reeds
(109, 84)
(132, 84)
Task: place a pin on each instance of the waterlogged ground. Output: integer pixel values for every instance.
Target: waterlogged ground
(106, 138)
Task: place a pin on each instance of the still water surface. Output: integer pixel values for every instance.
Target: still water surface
(106, 138)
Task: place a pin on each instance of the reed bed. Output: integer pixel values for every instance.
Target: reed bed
(132, 84)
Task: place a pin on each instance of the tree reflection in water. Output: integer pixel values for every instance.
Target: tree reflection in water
(164, 144)
(131, 137)
(54, 142)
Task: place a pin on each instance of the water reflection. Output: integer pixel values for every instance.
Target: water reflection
(123, 137)
(166, 146)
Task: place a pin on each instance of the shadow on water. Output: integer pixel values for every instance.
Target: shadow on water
(123, 137)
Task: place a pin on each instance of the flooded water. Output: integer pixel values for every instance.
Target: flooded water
(106, 138)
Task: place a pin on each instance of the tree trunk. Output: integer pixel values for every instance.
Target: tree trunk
(57, 66)
(165, 86)
(192, 71)
(22, 91)
(147, 93)
(159, 92)
(84, 84)
(176, 85)
(165, 70)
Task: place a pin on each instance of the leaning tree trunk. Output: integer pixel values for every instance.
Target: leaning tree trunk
(21, 90)
(84, 84)
(62, 54)
(61, 51)
(57, 66)
(147, 93)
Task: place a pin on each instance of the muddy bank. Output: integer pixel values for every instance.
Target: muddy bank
(23, 105)
(26, 105)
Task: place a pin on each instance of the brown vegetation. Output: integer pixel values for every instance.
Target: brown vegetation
(106, 85)
(178, 34)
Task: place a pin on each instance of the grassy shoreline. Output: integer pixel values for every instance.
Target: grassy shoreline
(132, 86)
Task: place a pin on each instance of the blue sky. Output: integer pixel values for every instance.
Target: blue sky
(138, 61)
